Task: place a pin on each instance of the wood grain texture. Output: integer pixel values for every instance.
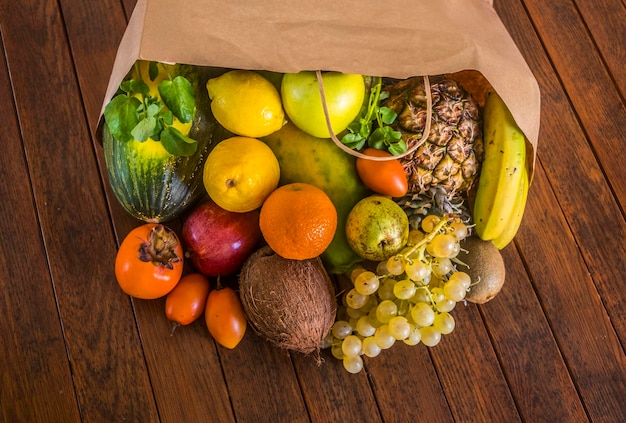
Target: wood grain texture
(74, 348)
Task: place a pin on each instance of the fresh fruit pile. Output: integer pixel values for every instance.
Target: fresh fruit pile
(337, 206)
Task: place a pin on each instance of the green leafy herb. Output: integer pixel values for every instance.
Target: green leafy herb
(135, 114)
(177, 93)
(371, 126)
(176, 143)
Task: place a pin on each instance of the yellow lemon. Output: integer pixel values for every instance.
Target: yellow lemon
(240, 173)
(246, 103)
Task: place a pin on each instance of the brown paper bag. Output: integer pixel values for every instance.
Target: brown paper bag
(394, 38)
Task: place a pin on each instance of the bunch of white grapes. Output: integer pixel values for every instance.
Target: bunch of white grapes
(407, 298)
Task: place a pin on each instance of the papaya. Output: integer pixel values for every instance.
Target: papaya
(318, 161)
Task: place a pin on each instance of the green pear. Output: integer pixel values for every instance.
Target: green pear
(377, 228)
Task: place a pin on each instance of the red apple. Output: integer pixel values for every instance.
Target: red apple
(218, 241)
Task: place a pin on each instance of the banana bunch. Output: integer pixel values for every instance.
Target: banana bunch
(503, 183)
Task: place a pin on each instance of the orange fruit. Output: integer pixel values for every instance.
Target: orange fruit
(298, 221)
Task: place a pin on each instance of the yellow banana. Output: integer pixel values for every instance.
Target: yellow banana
(501, 173)
(516, 218)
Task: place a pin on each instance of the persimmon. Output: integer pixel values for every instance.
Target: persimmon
(149, 262)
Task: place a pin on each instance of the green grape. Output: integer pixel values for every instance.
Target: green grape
(404, 307)
(415, 236)
(409, 253)
(370, 347)
(371, 316)
(383, 338)
(385, 291)
(355, 313)
(430, 336)
(404, 289)
(417, 270)
(341, 329)
(381, 268)
(429, 222)
(353, 363)
(386, 310)
(442, 245)
(356, 272)
(372, 302)
(415, 336)
(437, 294)
(455, 251)
(444, 323)
(351, 345)
(399, 327)
(336, 351)
(454, 290)
(445, 305)
(364, 327)
(395, 265)
(463, 278)
(441, 266)
(422, 295)
(366, 283)
(422, 314)
(354, 299)
(459, 229)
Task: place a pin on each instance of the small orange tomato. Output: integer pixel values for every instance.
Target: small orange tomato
(149, 262)
(386, 177)
(225, 317)
(187, 301)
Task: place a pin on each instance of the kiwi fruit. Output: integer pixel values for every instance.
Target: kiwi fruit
(485, 267)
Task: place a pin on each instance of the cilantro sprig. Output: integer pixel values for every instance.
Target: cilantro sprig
(372, 125)
(135, 114)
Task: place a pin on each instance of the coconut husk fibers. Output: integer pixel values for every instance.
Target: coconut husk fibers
(291, 303)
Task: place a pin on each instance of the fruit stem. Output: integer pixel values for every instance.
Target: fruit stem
(428, 238)
(160, 247)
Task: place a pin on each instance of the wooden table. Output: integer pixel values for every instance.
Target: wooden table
(73, 347)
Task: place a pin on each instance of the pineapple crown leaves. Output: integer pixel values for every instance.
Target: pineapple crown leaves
(433, 201)
(135, 114)
(372, 124)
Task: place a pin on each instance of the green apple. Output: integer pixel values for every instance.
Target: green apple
(302, 100)
(377, 228)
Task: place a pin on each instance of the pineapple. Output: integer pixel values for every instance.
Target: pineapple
(451, 155)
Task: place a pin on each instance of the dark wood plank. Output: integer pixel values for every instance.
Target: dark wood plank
(185, 369)
(262, 382)
(333, 394)
(580, 185)
(406, 383)
(529, 355)
(578, 280)
(589, 85)
(100, 334)
(36, 382)
(606, 22)
(466, 364)
(83, 20)
(186, 365)
(581, 327)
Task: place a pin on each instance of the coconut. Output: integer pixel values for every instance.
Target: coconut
(291, 303)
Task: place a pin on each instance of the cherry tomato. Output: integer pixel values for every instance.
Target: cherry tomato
(385, 177)
(149, 262)
(187, 301)
(225, 317)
